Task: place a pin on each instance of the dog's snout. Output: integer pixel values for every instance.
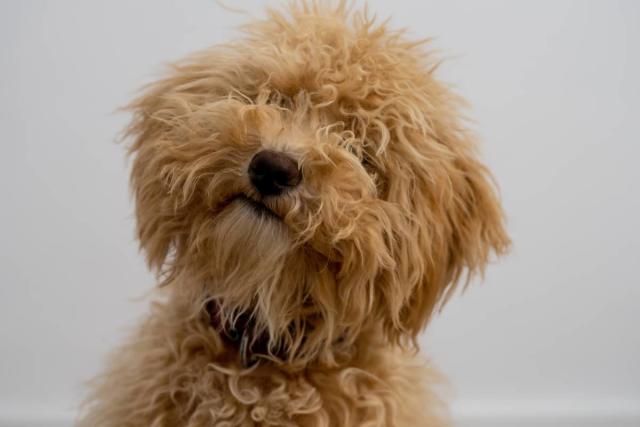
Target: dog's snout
(271, 172)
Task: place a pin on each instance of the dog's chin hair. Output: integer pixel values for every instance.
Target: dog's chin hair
(258, 267)
(250, 246)
(250, 262)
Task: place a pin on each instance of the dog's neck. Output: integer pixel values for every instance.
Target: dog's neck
(252, 344)
(240, 335)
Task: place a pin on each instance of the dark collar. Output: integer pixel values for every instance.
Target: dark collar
(241, 335)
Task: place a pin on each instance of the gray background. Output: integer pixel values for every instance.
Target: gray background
(552, 333)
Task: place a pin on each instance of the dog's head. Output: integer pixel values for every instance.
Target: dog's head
(316, 175)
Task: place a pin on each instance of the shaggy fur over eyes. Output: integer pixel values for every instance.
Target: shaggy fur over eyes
(340, 272)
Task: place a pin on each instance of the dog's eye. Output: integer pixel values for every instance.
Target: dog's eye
(365, 160)
(281, 101)
(368, 165)
(373, 170)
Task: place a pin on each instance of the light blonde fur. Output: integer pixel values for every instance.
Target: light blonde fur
(394, 208)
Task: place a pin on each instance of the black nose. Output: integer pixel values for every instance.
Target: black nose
(271, 173)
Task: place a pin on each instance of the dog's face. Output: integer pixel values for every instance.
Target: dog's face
(316, 175)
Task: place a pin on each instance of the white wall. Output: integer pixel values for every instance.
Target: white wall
(553, 331)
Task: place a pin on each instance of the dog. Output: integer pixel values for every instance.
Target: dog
(309, 196)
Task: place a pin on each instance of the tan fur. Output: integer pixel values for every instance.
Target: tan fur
(393, 209)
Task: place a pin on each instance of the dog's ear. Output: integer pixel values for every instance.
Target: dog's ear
(170, 133)
(455, 221)
(157, 219)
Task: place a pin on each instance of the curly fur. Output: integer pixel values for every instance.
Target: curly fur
(393, 210)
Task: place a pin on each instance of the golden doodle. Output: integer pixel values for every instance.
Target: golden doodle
(309, 196)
